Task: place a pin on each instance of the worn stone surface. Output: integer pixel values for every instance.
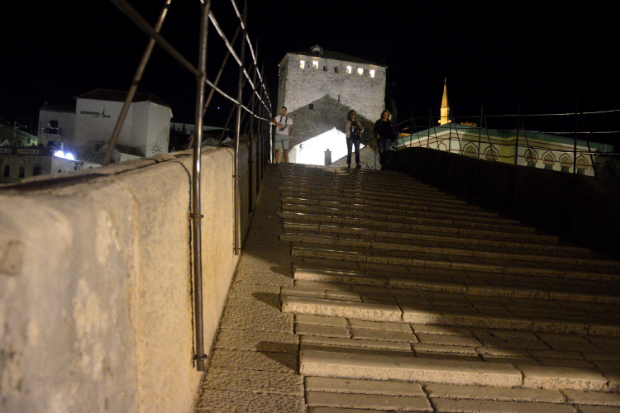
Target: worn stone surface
(485, 406)
(254, 360)
(218, 401)
(419, 404)
(360, 366)
(450, 391)
(257, 381)
(387, 388)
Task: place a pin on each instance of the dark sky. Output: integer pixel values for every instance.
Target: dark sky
(542, 56)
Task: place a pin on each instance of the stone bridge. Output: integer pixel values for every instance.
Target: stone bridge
(357, 291)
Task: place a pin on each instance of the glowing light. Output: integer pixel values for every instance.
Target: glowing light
(315, 65)
(61, 154)
(372, 73)
(313, 150)
(302, 64)
(360, 71)
(349, 70)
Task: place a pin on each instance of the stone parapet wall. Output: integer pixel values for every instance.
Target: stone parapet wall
(96, 309)
(578, 208)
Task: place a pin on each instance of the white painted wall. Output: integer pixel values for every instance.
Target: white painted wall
(95, 120)
(66, 123)
(146, 127)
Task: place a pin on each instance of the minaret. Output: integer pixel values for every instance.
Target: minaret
(445, 106)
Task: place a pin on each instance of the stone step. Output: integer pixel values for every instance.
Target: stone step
(369, 188)
(507, 232)
(358, 181)
(458, 283)
(387, 207)
(360, 366)
(515, 267)
(335, 212)
(365, 194)
(442, 249)
(420, 205)
(544, 245)
(379, 212)
(413, 309)
(356, 227)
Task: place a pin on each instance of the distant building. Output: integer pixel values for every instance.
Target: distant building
(19, 163)
(146, 128)
(533, 149)
(91, 121)
(320, 87)
(56, 124)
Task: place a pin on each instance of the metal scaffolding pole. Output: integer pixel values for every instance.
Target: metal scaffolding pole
(196, 214)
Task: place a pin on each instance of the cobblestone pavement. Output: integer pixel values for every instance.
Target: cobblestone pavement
(366, 291)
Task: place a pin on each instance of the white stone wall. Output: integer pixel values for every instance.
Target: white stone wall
(96, 312)
(299, 87)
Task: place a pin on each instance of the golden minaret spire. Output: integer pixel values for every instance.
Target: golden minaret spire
(445, 106)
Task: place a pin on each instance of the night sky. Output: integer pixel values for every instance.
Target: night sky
(539, 57)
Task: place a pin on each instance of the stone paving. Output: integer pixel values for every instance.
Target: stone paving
(366, 291)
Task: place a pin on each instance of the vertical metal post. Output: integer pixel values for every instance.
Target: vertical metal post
(428, 135)
(575, 140)
(480, 131)
(134, 85)
(517, 141)
(239, 104)
(196, 214)
(250, 145)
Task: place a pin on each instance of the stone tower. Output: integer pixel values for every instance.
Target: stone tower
(445, 106)
(319, 88)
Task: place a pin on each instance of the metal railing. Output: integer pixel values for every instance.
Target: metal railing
(260, 110)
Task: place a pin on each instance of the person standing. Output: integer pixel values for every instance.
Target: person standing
(385, 132)
(284, 128)
(354, 130)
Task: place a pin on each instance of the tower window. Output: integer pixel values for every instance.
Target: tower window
(325, 68)
(372, 73)
(302, 64)
(311, 106)
(360, 71)
(336, 69)
(315, 65)
(349, 70)
(7, 171)
(22, 172)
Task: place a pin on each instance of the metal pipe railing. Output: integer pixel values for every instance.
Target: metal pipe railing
(196, 214)
(260, 109)
(238, 138)
(134, 85)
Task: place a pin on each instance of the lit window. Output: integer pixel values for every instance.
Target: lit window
(372, 73)
(360, 71)
(302, 64)
(349, 70)
(315, 65)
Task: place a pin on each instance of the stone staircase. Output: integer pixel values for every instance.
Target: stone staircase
(408, 299)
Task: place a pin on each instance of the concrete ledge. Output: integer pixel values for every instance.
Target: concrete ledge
(375, 367)
(96, 311)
